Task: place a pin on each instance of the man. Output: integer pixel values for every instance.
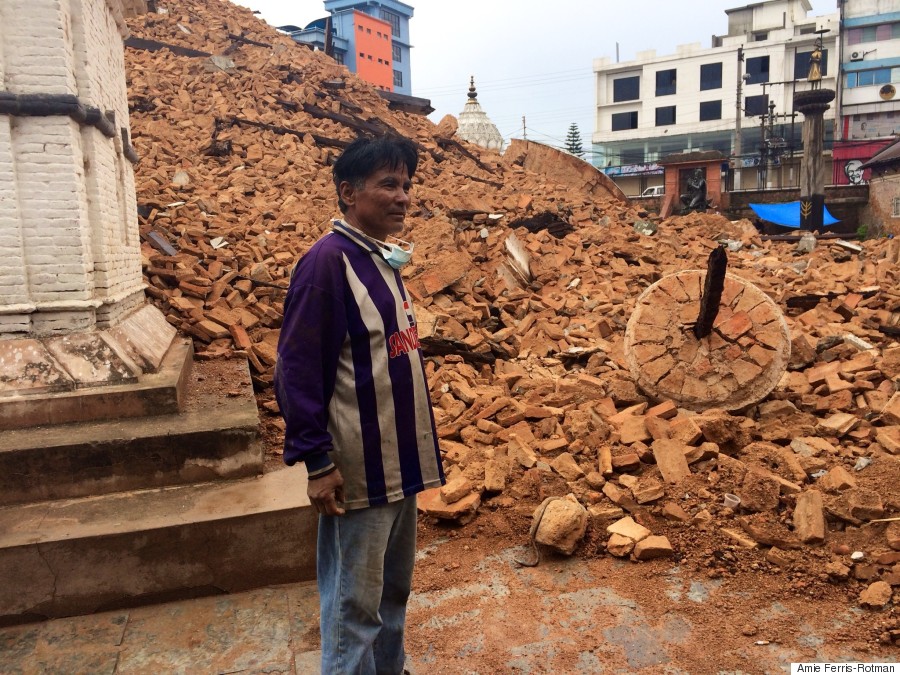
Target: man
(350, 382)
(854, 172)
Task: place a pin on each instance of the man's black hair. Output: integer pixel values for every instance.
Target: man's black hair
(365, 156)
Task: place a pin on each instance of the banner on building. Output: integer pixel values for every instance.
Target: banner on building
(634, 170)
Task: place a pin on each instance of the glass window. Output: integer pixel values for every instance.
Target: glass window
(895, 30)
(710, 76)
(883, 32)
(627, 89)
(339, 58)
(665, 82)
(801, 64)
(869, 33)
(758, 69)
(756, 105)
(396, 54)
(626, 120)
(398, 78)
(868, 78)
(854, 36)
(665, 115)
(393, 19)
(710, 110)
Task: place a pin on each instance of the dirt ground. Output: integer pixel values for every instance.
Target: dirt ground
(715, 607)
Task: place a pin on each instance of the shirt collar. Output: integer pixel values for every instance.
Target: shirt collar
(358, 236)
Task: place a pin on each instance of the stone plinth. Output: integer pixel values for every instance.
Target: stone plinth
(135, 368)
(737, 365)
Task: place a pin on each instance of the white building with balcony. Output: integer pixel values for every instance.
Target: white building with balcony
(655, 105)
(869, 100)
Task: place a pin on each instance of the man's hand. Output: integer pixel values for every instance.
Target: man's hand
(326, 492)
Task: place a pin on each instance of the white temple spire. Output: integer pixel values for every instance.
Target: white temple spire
(474, 124)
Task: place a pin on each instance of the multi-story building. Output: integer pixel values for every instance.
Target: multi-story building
(868, 101)
(715, 98)
(370, 37)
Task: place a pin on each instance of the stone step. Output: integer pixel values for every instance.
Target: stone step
(215, 436)
(78, 556)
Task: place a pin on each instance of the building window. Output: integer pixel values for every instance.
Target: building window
(665, 116)
(711, 76)
(396, 54)
(885, 31)
(895, 210)
(393, 19)
(370, 57)
(758, 69)
(398, 78)
(379, 33)
(760, 37)
(361, 55)
(801, 64)
(360, 29)
(623, 121)
(868, 78)
(369, 31)
(756, 105)
(710, 110)
(380, 61)
(627, 89)
(665, 82)
(339, 58)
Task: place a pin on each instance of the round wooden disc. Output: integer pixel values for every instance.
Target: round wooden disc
(736, 365)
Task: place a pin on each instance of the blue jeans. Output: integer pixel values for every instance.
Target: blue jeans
(364, 566)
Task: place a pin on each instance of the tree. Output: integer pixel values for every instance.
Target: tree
(573, 141)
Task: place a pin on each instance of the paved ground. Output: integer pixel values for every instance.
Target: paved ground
(566, 616)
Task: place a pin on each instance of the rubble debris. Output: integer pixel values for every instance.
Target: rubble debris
(809, 517)
(561, 525)
(525, 330)
(652, 547)
(876, 595)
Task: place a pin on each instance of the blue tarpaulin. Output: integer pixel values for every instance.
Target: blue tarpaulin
(787, 214)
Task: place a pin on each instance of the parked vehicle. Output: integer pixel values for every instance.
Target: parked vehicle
(654, 191)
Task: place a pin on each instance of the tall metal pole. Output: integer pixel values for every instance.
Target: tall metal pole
(770, 150)
(738, 114)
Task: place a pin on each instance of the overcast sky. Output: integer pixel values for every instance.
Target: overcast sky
(533, 57)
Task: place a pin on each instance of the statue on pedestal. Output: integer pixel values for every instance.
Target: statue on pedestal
(815, 65)
(695, 197)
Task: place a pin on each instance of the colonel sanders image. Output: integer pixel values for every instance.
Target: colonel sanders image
(853, 170)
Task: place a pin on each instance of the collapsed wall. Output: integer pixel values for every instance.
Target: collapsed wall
(524, 279)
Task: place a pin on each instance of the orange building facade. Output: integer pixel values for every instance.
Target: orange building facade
(373, 50)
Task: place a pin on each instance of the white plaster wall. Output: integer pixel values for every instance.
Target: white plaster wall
(68, 217)
(37, 47)
(53, 210)
(13, 281)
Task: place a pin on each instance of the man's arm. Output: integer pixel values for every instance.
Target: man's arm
(312, 333)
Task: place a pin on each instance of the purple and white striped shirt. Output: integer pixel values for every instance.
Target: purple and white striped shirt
(350, 378)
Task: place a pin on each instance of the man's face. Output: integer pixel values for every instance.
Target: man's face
(378, 207)
(854, 173)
